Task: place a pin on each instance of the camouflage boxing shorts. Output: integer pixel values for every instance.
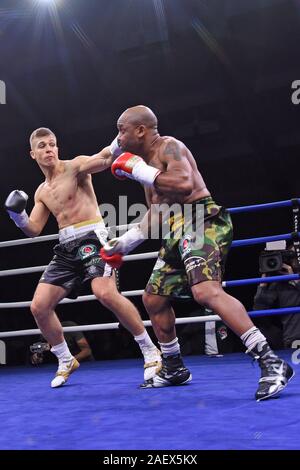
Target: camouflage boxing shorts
(187, 260)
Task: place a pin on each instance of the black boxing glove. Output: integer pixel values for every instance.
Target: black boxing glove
(15, 205)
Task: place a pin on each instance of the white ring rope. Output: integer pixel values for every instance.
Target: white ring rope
(26, 241)
(18, 271)
(107, 326)
(83, 298)
(46, 238)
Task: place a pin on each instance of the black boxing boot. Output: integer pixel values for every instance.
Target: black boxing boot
(275, 372)
(172, 372)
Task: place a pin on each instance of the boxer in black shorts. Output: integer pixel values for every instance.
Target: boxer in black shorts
(68, 194)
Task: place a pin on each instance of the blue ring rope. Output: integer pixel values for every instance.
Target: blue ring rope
(261, 207)
(258, 280)
(256, 241)
(274, 311)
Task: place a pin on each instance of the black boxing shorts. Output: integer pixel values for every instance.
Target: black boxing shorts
(75, 262)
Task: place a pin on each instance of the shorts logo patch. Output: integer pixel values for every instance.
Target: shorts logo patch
(193, 263)
(185, 245)
(93, 262)
(92, 270)
(87, 250)
(222, 332)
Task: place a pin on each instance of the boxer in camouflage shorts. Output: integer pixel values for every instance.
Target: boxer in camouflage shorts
(189, 263)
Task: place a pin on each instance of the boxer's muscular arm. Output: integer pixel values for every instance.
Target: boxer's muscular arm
(95, 163)
(177, 177)
(98, 162)
(38, 217)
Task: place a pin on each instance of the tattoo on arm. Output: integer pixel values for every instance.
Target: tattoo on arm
(173, 150)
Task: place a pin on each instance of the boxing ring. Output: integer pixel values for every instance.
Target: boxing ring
(101, 406)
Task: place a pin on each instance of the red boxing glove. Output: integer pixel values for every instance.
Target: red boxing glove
(115, 260)
(119, 163)
(134, 167)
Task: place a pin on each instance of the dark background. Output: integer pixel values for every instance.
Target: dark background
(217, 73)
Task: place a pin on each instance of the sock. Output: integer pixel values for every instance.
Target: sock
(144, 341)
(61, 351)
(170, 349)
(252, 337)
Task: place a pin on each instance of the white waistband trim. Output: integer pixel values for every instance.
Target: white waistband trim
(70, 233)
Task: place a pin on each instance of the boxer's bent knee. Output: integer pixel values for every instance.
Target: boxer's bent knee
(104, 296)
(154, 303)
(40, 309)
(105, 290)
(207, 293)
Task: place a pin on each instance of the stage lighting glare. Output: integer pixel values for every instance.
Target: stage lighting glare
(48, 2)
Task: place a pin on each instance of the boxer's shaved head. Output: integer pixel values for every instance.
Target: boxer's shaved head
(137, 128)
(139, 115)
